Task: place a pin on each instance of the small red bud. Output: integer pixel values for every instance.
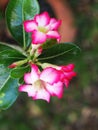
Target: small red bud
(13, 65)
(40, 49)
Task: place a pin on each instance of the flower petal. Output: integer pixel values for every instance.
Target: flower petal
(50, 75)
(34, 73)
(55, 89)
(66, 82)
(69, 75)
(29, 89)
(30, 25)
(42, 19)
(38, 37)
(27, 78)
(42, 94)
(54, 24)
(68, 67)
(54, 34)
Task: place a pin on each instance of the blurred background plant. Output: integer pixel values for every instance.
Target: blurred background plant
(78, 109)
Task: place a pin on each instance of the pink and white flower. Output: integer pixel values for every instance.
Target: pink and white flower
(42, 85)
(42, 28)
(67, 73)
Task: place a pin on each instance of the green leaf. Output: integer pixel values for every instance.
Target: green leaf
(8, 93)
(60, 53)
(19, 71)
(8, 88)
(49, 43)
(21, 80)
(17, 11)
(4, 73)
(1, 16)
(10, 54)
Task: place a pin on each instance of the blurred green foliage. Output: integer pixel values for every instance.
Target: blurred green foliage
(1, 15)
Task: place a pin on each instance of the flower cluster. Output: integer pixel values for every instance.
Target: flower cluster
(49, 82)
(50, 79)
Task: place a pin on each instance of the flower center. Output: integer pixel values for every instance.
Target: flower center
(42, 29)
(39, 84)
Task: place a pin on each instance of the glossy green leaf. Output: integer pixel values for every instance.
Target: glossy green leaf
(18, 11)
(8, 88)
(10, 54)
(8, 93)
(21, 80)
(60, 53)
(19, 71)
(4, 74)
(49, 43)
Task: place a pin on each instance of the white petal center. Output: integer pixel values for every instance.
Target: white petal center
(39, 84)
(42, 29)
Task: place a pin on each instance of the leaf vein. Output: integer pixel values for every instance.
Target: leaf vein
(50, 57)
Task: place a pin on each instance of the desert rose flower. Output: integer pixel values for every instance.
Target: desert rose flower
(42, 85)
(67, 73)
(42, 28)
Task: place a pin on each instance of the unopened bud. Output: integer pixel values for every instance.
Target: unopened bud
(18, 63)
(13, 65)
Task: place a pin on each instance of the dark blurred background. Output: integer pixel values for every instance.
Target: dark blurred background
(78, 109)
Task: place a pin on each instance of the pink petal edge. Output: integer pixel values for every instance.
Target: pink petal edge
(68, 67)
(54, 24)
(27, 78)
(54, 34)
(34, 73)
(27, 88)
(42, 19)
(56, 89)
(30, 25)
